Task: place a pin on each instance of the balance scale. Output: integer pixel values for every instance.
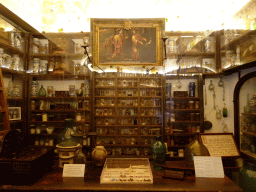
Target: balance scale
(66, 154)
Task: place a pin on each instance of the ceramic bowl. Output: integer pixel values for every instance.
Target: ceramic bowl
(49, 130)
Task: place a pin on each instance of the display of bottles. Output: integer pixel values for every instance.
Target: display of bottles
(42, 92)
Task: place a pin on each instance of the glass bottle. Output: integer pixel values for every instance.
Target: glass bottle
(10, 89)
(225, 111)
(80, 157)
(42, 92)
(194, 148)
(247, 108)
(247, 176)
(192, 89)
(211, 86)
(16, 91)
(65, 138)
(34, 87)
(79, 92)
(158, 150)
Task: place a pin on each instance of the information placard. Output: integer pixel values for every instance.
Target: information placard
(220, 145)
(207, 166)
(73, 170)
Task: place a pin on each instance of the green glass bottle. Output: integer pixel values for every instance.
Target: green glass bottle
(158, 150)
(42, 92)
(65, 137)
(225, 111)
(247, 176)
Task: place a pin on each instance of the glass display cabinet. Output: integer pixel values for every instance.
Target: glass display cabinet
(245, 115)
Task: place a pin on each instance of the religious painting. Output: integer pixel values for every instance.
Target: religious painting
(127, 42)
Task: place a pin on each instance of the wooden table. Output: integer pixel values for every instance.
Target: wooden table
(91, 182)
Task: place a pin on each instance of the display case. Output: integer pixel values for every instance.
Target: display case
(13, 43)
(245, 115)
(237, 48)
(126, 171)
(58, 86)
(191, 52)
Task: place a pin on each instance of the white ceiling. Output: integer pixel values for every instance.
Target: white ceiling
(74, 15)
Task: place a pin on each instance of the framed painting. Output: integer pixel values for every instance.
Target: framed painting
(127, 41)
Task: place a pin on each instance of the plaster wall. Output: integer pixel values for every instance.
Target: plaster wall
(209, 111)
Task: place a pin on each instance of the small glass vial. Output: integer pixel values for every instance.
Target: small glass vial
(44, 117)
(36, 65)
(78, 117)
(16, 62)
(43, 66)
(49, 91)
(41, 141)
(191, 105)
(32, 129)
(36, 44)
(51, 142)
(16, 91)
(172, 117)
(36, 142)
(33, 105)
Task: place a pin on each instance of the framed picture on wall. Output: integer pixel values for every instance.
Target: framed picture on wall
(127, 41)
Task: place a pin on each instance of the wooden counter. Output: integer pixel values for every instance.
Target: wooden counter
(91, 182)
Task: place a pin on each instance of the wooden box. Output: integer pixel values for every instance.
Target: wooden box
(180, 93)
(29, 166)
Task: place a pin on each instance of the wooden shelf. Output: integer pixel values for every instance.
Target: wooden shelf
(51, 77)
(249, 133)
(10, 48)
(60, 111)
(249, 114)
(66, 56)
(240, 39)
(180, 134)
(193, 54)
(11, 72)
(182, 98)
(59, 98)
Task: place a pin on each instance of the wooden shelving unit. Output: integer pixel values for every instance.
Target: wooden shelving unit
(128, 112)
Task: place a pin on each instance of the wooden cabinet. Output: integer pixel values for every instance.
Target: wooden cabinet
(237, 49)
(13, 43)
(128, 112)
(183, 112)
(60, 70)
(245, 114)
(191, 52)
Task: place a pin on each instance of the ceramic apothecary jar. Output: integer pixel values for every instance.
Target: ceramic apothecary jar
(99, 155)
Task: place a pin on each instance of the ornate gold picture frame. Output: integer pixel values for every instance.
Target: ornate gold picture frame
(127, 41)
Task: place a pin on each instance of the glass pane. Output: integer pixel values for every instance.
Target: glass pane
(247, 105)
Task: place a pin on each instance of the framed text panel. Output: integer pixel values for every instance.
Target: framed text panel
(220, 144)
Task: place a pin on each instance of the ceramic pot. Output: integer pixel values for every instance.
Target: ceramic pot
(99, 155)
(49, 130)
